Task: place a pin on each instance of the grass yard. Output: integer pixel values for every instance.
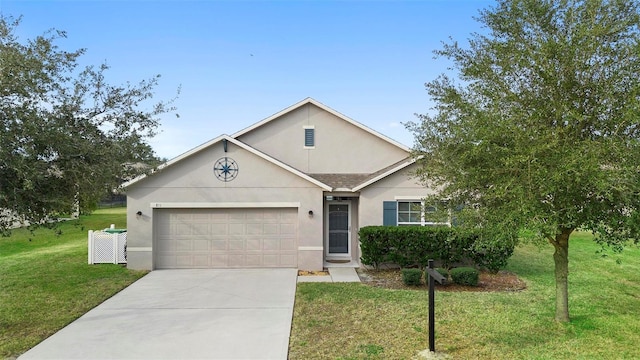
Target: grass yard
(45, 281)
(355, 321)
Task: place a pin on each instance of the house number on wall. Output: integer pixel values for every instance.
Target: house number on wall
(226, 169)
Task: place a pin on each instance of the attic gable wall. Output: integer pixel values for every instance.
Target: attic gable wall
(340, 147)
(196, 172)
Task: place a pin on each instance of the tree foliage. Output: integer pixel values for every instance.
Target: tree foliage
(65, 132)
(541, 130)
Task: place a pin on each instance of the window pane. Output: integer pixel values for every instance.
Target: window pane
(339, 243)
(409, 212)
(338, 217)
(415, 217)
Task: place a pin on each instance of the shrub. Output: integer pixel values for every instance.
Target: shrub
(412, 245)
(444, 272)
(493, 255)
(374, 244)
(415, 245)
(412, 277)
(465, 276)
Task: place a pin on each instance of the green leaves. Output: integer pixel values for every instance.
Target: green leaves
(66, 133)
(543, 132)
(415, 245)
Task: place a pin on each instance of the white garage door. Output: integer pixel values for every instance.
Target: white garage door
(226, 238)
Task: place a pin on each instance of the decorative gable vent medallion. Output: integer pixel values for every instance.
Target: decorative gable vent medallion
(226, 169)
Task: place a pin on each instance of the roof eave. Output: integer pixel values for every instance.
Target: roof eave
(281, 164)
(270, 118)
(240, 144)
(327, 109)
(184, 155)
(385, 174)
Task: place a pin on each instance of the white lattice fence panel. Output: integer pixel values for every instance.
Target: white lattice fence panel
(107, 248)
(122, 248)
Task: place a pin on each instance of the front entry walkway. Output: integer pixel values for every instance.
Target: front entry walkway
(185, 314)
(336, 274)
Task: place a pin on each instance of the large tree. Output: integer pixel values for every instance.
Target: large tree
(539, 134)
(65, 132)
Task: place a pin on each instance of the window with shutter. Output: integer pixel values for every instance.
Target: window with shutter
(412, 212)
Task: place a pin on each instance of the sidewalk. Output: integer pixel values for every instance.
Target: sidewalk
(336, 274)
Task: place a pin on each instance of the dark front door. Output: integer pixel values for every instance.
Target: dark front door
(339, 218)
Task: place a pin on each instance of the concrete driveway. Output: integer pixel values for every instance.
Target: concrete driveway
(185, 314)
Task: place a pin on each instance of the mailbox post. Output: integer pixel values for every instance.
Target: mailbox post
(433, 276)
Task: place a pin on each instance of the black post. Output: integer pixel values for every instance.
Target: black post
(432, 306)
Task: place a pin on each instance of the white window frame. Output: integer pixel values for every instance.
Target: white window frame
(423, 212)
(312, 127)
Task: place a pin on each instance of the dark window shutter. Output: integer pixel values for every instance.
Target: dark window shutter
(390, 213)
(309, 140)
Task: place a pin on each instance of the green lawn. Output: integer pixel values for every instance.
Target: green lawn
(45, 281)
(354, 321)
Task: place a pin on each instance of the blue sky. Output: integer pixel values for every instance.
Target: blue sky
(239, 62)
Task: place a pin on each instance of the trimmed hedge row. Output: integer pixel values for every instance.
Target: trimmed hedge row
(415, 245)
(412, 277)
(465, 276)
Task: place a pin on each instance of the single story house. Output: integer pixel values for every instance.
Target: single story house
(289, 191)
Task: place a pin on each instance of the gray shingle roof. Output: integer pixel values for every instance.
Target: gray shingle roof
(341, 181)
(349, 181)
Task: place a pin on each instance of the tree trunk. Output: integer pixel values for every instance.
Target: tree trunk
(561, 259)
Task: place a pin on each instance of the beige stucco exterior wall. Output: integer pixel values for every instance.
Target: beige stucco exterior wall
(400, 184)
(340, 147)
(192, 180)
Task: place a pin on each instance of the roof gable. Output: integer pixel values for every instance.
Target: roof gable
(325, 108)
(226, 138)
(383, 173)
(352, 163)
(340, 144)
